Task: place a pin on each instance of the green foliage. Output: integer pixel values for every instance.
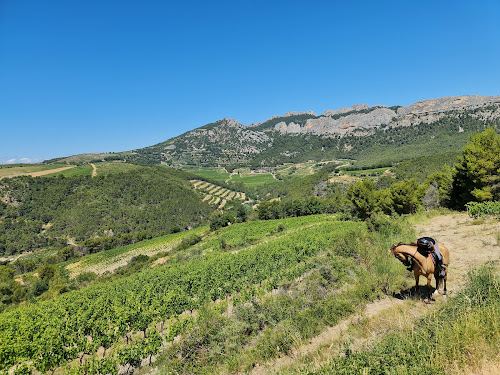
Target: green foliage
(101, 213)
(437, 189)
(482, 209)
(364, 197)
(276, 210)
(476, 176)
(221, 220)
(404, 196)
(422, 167)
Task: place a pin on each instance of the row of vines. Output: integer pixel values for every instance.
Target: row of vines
(482, 209)
(47, 334)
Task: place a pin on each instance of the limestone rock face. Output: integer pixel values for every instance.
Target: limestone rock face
(448, 103)
(348, 123)
(356, 107)
(362, 118)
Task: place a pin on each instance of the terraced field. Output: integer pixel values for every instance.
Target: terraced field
(217, 195)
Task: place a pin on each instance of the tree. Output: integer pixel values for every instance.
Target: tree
(268, 210)
(437, 187)
(404, 195)
(476, 176)
(364, 196)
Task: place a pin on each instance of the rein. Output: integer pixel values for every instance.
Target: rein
(413, 256)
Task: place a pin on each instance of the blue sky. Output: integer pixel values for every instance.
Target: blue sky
(100, 76)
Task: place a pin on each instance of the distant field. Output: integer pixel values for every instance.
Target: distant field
(103, 168)
(26, 169)
(258, 177)
(254, 179)
(81, 170)
(366, 172)
(217, 174)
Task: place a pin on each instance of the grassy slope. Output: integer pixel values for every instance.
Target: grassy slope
(343, 268)
(316, 247)
(456, 338)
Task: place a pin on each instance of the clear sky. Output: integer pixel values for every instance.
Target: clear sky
(82, 76)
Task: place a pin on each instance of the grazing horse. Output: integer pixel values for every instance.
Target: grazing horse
(422, 264)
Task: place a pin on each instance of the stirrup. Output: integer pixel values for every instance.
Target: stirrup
(442, 270)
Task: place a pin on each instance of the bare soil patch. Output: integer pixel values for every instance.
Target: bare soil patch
(50, 171)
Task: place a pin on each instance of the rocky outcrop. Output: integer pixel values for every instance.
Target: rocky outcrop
(345, 124)
(448, 103)
(362, 118)
(341, 111)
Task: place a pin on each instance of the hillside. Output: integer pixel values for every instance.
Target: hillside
(361, 332)
(106, 276)
(242, 297)
(230, 267)
(360, 132)
(120, 204)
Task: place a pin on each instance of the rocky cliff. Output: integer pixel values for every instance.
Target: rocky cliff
(362, 118)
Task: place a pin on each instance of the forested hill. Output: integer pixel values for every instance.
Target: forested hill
(360, 132)
(121, 207)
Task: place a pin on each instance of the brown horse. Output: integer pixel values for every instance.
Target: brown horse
(422, 264)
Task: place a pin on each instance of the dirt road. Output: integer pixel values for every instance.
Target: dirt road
(94, 170)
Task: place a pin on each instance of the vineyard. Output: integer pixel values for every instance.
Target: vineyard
(482, 209)
(72, 328)
(217, 195)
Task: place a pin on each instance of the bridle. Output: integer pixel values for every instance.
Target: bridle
(405, 262)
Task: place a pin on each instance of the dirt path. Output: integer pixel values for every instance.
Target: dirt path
(470, 242)
(94, 170)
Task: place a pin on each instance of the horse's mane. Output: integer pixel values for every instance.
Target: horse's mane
(406, 244)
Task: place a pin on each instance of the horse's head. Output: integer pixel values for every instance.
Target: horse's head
(399, 256)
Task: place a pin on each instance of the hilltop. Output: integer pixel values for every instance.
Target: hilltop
(358, 132)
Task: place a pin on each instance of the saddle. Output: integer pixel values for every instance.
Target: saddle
(426, 252)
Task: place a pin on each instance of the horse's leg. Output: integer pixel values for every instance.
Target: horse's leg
(439, 282)
(444, 281)
(417, 276)
(429, 278)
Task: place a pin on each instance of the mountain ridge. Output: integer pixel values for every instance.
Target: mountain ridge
(227, 142)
